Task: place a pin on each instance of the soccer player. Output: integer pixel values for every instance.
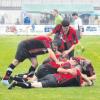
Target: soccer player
(67, 38)
(86, 67)
(63, 78)
(30, 48)
(50, 67)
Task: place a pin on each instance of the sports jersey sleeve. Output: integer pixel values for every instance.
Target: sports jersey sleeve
(46, 40)
(56, 29)
(47, 44)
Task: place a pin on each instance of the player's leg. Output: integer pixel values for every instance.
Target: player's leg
(9, 71)
(20, 84)
(36, 84)
(20, 56)
(44, 70)
(33, 66)
(47, 81)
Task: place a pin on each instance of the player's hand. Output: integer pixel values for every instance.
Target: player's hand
(59, 63)
(24, 76)
(72, 71)
(65, 53)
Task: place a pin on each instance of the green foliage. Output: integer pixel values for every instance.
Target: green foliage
(8, 45)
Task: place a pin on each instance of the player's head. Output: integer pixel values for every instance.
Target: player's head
(54, 45)
(75, 15)
(65, 25)
(55, 12)
(74, 60)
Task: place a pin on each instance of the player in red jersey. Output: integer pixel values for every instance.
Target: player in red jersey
(30, 48)
(86, 67)
(66, 36)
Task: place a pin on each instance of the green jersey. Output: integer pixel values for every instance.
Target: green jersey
(58, 20)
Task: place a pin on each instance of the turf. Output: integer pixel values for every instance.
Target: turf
(8, 46)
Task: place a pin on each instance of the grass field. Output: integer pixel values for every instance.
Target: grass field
(8, 45)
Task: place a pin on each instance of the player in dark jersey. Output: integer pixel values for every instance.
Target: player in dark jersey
(30, 49)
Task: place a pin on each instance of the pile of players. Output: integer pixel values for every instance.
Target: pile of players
(77, 71)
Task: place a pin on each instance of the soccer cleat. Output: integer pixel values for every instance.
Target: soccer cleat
(12, 85)
(5, 82)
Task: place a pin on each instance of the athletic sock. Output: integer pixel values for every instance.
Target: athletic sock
(24, 84)
(31, 71)
(9, 71)
(19, 79)
(32, 68)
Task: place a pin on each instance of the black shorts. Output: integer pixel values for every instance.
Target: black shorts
(44, 70)
(48, 81)
(72, 82)
(22, 53)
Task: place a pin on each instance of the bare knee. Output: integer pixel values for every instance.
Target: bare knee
(15, 62)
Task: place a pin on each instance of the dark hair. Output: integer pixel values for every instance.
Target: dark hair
(74, 14)
(76, 59)
(56, 10)
(65, 23)
(53, 45)
(56, 42)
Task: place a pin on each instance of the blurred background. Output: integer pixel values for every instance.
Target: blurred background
(33, 16)
(39, 11)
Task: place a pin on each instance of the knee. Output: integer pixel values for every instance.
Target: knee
(35, 64)
(15, 62)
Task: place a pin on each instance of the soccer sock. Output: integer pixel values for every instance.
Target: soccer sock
(23, 84)
(19, 79)
(9, 71)
(32, 68)
(31, 71)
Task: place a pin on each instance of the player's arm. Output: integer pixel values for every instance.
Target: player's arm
(66, 52)
(92, 78)
(86, 79)
(52, 55)
(72, 71)
(55, 30)
(49, 34)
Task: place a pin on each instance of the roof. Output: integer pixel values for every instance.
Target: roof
(60, 7)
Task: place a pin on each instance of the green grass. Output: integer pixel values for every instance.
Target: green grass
(8, 45)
